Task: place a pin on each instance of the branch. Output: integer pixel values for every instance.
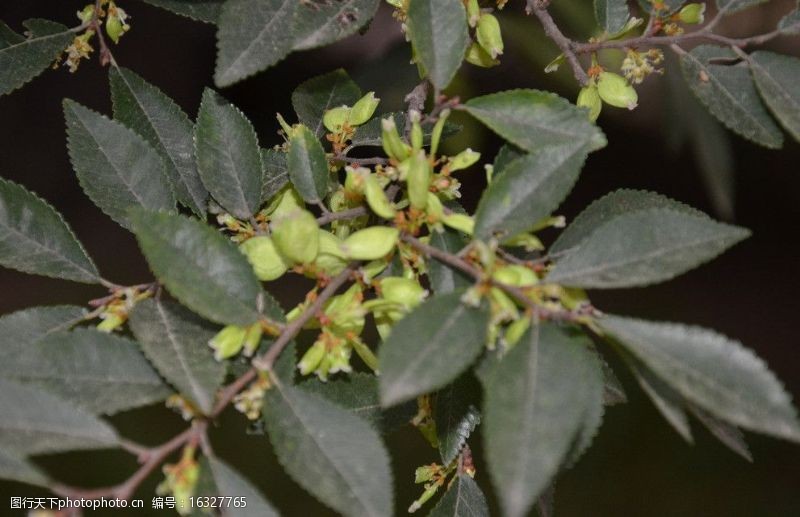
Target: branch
(539, 8)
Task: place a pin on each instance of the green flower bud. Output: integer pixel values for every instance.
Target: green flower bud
(87, 14)
(418, 180)
(616, 91)
(355, 179)
(287, 200)
(525, 240)
(267, 263)
(329, 264)
(312, 358)
(464, 159)
(429, 492)
(365, 354)
(425, 473)
(345, 310)
(228, 342)
(692, 13)
(590, 98)
(435, 208)
(114, 28)
(460, 222)
(407, 293)
(296, 236)
(479, 57)
(417, 137)
(330, 244)
(503, 304)
(436, 136)
(515, 331)
(489, 35)
(473, 12)
(363, 110)
(393, 146)
(111, 322)
(373, 268)
(371, 243)
(252, 339)
(340, 359)
(515, 275)
(335, 118)
(376, 198)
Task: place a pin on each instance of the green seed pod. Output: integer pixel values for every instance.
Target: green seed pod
(589, 97)
(616, 91)
(515, 331)
(285, 201)
(515, 275)
(365, 354)
(87, 13)
(393, 146)
(363, 110)
(436, 136)
(407, 293)
(335, 118)
(460, 222)
(418, 180)
(340, 359)
(330, 244)
(434, 208)
(114, 28)
(373, 268)
(479, 57)
(376, 198)
(355, 179)
(371, 243)
(464, 159)
(473, 12)
(417, 137)
(489, 35)
(228, 342)
(692, 13)
(425, 473)
(296, 236)
(346, 312)
(267, 263)
(312, 358)
(252, 339)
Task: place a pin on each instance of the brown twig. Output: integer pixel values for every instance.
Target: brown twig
(539, 8)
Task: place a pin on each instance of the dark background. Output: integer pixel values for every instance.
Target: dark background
(638, 465)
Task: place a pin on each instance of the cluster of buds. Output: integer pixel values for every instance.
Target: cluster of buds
(342, 121)
(180, 479)
(397, 296)
(433, 477)
(250, 401)
(91, 16)
(231, 340)
(609, 88)
(638, 65)
(114, 313)
(488, 44)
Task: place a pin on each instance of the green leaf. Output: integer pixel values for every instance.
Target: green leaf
(35, 422)
(534, 120)
(16, 468)
(732, 6)
(463, 499)
(201, 10)
(27, 327)
(317, 95)
(99, 372)
(116, 167)
(612, 15)
(24, 59)
(228, 156)
(529, 189)
(776, 78)
(176, 342)
(430, 347)
(716, 373)
(35, 239)
(438, 32)
(505, 157)
(730, 94)
(608, 207)
(276, 173)
(307, 164)
(8, 37)
(790, 24)
(358, 392)
(669, 403)
(456, 416)
(318, 24)
(230, 483)
(252, 36)
(536, 400)
(729, 435)
(443, 278)
(330, 452)
(147, 111)
(644, 247)
(204, 270)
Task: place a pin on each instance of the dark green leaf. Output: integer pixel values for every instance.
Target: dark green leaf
(35, 421)
(27, 327)
(322, 23)
(201, 10)
(429, 348)
(777, 77)
(228, 156)
(443, 278)
(536, 400)
(230, 483)
(716, 373)
(35, 239)
(116, 167)
(200, 267)
(613, 392)
(612, 15)
(438, 31)
(17, 468)
(146, 110)
(534, 120)
(644, 247)
(176, 342)
(307, 164)
(529, 189)
(669, 403)
(790, 24)
(729, 435)
(732, 6)
(8, 37)
(730, 94)
(22, 60)
(276, 173)
(505, 157)
(99, 372)
(333, 454)
(317, 95)
(463, 499)
(456, 416)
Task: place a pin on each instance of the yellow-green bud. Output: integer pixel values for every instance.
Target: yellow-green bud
(114, 28)
(376, 198)
(418, 180)
(425, 473)
(252, 339)
(371, 243)
(616, 91)
(489, 35)
(515, 275)
(590, 98)
(287, 200)
(296, 236)
(228, 342)
(460, 222)
(335, 118)
(330, 244)
(363, 110)
(434, 207)
(312, 358)
(267, 263)
(404, 291)
(393, 146)
(515, 331)
(87, 14)
(479, 57)
(417, 137)
(692, 13)
(436, 135)
(473, 12)
(464, 159)
(111, 322)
